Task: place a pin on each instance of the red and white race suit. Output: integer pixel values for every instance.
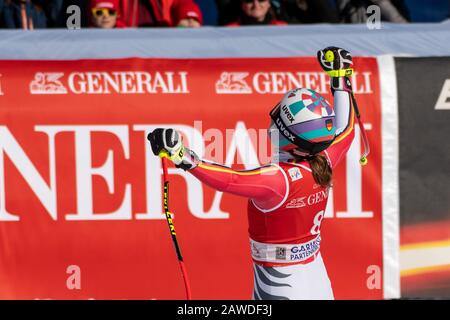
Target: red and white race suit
(285, 210)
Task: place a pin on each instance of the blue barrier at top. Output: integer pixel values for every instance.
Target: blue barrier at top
(209, 42)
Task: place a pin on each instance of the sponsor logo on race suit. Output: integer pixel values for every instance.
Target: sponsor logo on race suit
(285, 253)
(295, 174)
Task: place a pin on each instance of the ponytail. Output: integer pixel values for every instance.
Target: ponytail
(321, 170)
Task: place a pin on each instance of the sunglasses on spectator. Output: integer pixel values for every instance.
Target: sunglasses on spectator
(251, 1)
(104, 11)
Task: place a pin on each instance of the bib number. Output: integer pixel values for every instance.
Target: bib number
(317, 221)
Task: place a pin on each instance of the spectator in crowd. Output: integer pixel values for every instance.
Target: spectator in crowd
(22, 14)
(256, 12)
(152, 13)
(209, 11)
(188, 15)
(104, 14)
(355, 11)
(308, 11)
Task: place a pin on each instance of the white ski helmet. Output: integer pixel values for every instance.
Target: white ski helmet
(305, 122)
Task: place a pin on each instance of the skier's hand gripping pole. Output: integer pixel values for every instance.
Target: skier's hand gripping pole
(338, 64)
(167, 144)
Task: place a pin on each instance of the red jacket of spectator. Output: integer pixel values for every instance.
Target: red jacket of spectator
(136, 13)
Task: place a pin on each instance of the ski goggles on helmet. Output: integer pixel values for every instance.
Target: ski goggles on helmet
(311, 147)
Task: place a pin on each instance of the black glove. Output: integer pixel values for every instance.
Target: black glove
(167, 143)
(164, 140)
(337, 63)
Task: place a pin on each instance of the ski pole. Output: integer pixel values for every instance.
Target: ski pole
(363, 160)
(169, 219)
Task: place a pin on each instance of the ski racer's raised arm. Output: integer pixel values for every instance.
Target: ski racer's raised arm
(345, 118)
(266, 186)
(337, 63)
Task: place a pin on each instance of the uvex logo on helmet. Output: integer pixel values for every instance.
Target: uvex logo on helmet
(286, 133)
(288, 113)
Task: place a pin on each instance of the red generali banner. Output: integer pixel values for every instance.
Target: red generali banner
(80, 192)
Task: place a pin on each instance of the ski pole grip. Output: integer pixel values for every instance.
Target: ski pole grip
(164, 154)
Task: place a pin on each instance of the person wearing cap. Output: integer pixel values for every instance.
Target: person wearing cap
(188, 15)
(104, 14)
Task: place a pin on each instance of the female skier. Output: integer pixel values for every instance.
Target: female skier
(287, 199)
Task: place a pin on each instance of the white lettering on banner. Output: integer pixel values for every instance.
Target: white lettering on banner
(121, 82)
(85, 171)
(367, 85)
(443, 102)
(239, 145)
(45, 193)
(153, 171)
(354, 188)
(329, 210)
(1, 92)
(281, 82)
(354, 180)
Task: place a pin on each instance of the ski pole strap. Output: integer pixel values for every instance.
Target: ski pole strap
(340, 73)
(355, 105)
(363, 159)
(176, 158)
